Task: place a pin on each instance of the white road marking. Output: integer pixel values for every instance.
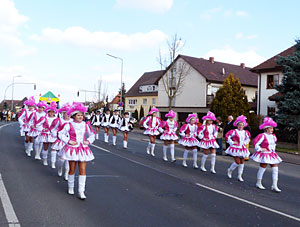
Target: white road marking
(206, 187)
(10, 214)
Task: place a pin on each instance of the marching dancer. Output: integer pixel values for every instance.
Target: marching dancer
(151, 125)
(114, 123)
(188, 132)
(105, 124)
(26, 119)
(238, 139)
(47, 137)
(58, 144)
(37, 128)
(126, 125)
(96, 121)
(169, 128)
(208, 133)
(265, 144)
(77, 135)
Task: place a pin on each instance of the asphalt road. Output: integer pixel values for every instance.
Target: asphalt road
(130, 188)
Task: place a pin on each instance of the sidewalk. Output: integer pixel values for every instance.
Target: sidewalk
(286, 157)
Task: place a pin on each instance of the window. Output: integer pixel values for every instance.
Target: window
(132, 101)
(144, 101)
(271, 111)
(272, 81)
(153, 101)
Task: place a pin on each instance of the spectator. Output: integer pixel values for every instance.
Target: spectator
(229, 126)
(219, 139)
(1, 116)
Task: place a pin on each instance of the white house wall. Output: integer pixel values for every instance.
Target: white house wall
(266, 93)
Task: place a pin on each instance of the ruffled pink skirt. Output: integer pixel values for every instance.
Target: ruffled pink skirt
(238, 152)
(209, 144)
(267, 157)
(45, 137)
(58, 145)
(33, 132)
(82, 153)
(189, 142)
(151, 132)
(169, 136)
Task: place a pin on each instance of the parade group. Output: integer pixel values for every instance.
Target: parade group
(68, 136)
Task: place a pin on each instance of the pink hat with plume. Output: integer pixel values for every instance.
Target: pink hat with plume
(209, 116)
(30, 101)
(240, 119)
(64, 108)
(76, 107)
(190, 117)
(171, 114)
(52, 107)
(42, 104)
(268, 122)
(153, 110)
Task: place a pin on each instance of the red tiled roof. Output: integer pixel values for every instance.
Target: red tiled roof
(270, 64)
(213, 72)
(116, 99)
(148, 78)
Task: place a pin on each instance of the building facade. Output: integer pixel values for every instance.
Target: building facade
(269, 75)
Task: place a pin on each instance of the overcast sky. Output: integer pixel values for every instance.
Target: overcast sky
(61, 44)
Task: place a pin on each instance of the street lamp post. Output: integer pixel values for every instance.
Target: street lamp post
(121, 59)
(12, 92)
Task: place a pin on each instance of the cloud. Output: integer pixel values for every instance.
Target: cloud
(252, 36)
(208, 14)
(239, 35)
(80, 37)
(157, 6)
(229, 55)
(241, 13)
(10, 22)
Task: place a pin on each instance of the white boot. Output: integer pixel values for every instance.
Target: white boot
(106, 138)
(152, 149)
(71, 181)
(29, 149)
(149, 148)
(260, 174)
(97, 136)
(275, 179)
(67, 168)
(125, 144)
(185, 155)
(53, 159)
(213, 163)
(172, 151)
(240, 172)
(203, 160)
(60, 163)
(81, 186)
(195, 154)
(114, 140)
(165, 148)
(38, 147)
(230, 169)
(45, 156)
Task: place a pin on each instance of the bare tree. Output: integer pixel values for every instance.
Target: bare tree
(173, 80)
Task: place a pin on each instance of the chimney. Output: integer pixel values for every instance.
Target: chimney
(243, 65)
(212, 59)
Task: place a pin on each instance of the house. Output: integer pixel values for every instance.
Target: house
(144, 92)
(269, 75)
(18, 104)
(203, 78)
(114, 104)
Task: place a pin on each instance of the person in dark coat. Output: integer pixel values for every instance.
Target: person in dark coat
(229, 126)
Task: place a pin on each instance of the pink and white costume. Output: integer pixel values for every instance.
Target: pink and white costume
(208, 135)
(37, 126)
(242, 137)
(188, 133)
(265, 145)
(78, 132)
(151, 125)
(46, 136)
(168, 129)
(26, 118)
(268, 142)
